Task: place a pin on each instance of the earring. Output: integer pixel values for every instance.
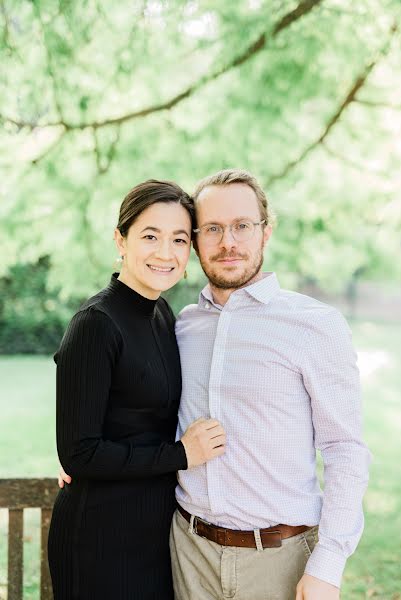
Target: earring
(185, 274)
(118, 262)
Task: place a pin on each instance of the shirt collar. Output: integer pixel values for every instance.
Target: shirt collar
(262, 291)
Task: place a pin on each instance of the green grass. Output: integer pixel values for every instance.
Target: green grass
(27, 449)
(375, 569)
(27, 405)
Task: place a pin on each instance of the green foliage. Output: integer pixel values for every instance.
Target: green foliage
(98, 96)
(32, 319)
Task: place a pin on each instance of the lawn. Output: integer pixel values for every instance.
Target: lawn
(27, 448)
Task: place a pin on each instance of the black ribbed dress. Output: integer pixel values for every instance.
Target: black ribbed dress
(118, 390)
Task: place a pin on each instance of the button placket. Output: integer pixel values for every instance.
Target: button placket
(215, 491)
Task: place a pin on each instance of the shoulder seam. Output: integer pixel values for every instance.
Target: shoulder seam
(95, 308)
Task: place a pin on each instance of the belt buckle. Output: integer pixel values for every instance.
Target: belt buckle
(195, 525)
(277, 540)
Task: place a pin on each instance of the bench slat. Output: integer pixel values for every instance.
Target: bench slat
(28, 493)
(46, 592)
(16, 495)
(15, 555)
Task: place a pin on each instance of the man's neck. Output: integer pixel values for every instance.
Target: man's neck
(221, 295)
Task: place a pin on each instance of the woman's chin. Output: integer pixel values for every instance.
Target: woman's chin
(169, 285)
(165, 284)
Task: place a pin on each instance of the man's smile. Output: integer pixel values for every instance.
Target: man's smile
(229, 261)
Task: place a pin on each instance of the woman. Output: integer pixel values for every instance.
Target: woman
(118, 390)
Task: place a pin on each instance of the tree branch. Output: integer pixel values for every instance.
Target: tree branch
(50, 149)
(84, 206)
(97, 153)
(378, 104)
(347, 100)
(113, 146)
(353, 163)
(6, 35)
(103, 163)
(303, 8)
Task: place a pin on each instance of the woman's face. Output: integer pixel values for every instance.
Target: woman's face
(156, 249)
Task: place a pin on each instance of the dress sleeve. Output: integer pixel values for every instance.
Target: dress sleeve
(85, 361)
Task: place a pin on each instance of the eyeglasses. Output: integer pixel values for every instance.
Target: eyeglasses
(242, 231)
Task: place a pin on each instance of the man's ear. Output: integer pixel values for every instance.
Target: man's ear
(266, 234)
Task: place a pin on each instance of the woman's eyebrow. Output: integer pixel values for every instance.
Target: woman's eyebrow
(178, 231)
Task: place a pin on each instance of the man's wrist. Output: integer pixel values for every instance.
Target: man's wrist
(326, 565)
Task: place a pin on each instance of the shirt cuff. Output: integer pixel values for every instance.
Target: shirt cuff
(326, 565)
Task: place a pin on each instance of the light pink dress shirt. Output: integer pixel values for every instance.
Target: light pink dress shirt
(278, 369)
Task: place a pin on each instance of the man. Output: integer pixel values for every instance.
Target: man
(278, 370)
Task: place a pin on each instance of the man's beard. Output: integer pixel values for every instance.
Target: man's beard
(234, 281)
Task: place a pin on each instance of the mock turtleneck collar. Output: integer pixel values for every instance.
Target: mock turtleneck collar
(145, 305)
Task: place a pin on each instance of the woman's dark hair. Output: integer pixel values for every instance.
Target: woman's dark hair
(148, 193)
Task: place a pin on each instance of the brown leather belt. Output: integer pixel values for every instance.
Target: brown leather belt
(270, 537)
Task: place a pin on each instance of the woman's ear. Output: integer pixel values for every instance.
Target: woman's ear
(120, 242)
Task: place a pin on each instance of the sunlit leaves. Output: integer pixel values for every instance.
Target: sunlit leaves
(84, 63)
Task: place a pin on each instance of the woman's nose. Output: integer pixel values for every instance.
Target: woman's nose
(164, 250)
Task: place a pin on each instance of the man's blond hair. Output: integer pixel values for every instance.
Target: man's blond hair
(230, 176)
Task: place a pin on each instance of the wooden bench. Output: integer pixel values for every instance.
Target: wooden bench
(15, 495)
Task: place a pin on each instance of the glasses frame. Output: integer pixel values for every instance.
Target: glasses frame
(230, 228)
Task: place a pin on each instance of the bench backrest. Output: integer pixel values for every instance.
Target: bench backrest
(15, 495)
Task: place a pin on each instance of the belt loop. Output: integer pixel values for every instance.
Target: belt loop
(258, 541)
(191, 524)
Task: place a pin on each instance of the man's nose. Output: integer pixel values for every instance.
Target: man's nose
(227, 239)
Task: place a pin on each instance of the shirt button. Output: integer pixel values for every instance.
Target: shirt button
(207, 305)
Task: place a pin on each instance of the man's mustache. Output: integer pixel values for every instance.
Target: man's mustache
(224, 255)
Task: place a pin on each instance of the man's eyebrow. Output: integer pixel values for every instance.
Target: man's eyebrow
(176, 232)
(234, 221)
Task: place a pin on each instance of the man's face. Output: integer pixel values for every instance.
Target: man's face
(230, 264)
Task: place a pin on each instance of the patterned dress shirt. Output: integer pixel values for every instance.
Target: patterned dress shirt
(278, 369)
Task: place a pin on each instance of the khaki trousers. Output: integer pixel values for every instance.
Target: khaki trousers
(204, 570)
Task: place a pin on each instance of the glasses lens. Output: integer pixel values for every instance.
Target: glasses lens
(243, 231)
(212, 233)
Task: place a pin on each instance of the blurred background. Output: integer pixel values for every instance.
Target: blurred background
(96, 96)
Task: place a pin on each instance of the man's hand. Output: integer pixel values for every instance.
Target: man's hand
(63, 477)
(311, 588)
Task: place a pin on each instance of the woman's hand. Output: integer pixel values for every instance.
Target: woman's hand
(63, 477)
(203, 440)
